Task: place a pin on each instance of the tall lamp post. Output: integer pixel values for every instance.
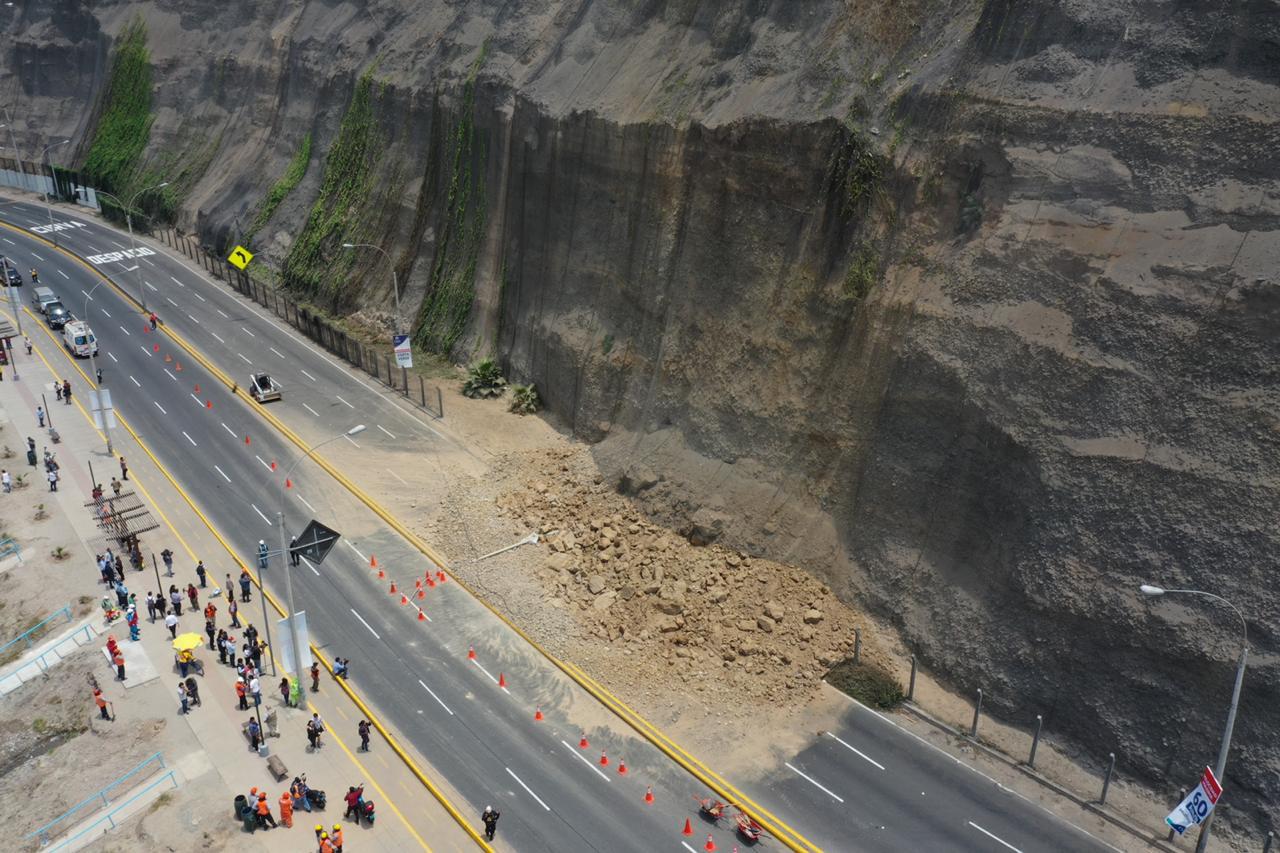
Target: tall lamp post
(284, 547)
(93, 366)
(1225, 747)
(47, 207)
(395, 284)
(13, 140)
(133, 246)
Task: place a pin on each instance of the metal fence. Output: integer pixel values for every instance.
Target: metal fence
(28, 636)
(103, 797)
(426, 396)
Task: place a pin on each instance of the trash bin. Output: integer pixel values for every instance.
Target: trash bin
(31, 458)
(249, 818)
(241, 803)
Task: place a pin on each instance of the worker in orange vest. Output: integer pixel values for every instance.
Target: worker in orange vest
(326, 846)
(286, 809)
(118, 660)
(102, 703)
(264, 811)
(336, 838)
(240, 694)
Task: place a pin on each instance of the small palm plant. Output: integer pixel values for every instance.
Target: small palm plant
(484, 380)
(524, 399)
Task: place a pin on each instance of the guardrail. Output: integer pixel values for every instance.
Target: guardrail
(110, 817)
(304, 320)
(10, 548)
(27, 634)
(44, 832)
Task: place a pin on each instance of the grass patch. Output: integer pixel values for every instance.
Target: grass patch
(292, 176)
(124, 125)
(867, 683)
(864, 272)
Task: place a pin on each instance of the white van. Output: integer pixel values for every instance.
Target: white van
(79, 340)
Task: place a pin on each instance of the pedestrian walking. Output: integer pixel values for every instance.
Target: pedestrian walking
(200, 573)
(151, 607)
(53, 480)
(284, 691)
(6, 480)
(167, 556)
(122, 594)
(116, 485)
(118, 660)
(255, 688)
(119, 566)
(171, 622)
(124, 468)
(490, 820)
(211, 630)
(210, 610)
(255, 734)
(161, 605)
(242, 694)
(175, 599)
(363, 728)
(315, 677)
(193, 595)
(246, 584)
(326, 846)
(182, 698)
(250, 634)
(264, 812)
(233, 610)
(39, 418)
(101, 703)
(26, 340)
(220, 643)
(295, 692)
(57, 390)
(294, 559)
(313, 735)
(66, 391)
(286, 809)
(335, 838)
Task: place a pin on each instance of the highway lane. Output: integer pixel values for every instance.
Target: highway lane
(824, 793)
(486, 743)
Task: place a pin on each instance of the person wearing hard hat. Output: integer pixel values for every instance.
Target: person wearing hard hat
(326, 846)
(264, 811)
(490, 819)
(336, 838)
(286, 809)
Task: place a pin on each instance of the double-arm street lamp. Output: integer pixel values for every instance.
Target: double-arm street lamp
(1225, 746)
(133, 245)
(48, 209)
(284, 548)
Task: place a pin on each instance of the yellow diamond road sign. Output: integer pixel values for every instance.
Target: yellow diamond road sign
(240, 257)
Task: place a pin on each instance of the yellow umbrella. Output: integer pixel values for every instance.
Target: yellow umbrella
(187, 642)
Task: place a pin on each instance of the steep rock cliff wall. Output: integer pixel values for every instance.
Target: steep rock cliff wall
(968, 308)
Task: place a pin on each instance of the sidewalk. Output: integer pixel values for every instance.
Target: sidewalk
(409, 818)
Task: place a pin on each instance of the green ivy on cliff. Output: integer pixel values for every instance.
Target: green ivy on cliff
(124, 125)
(316, 265)
(292, 176)
(855, 171)
(451, 291)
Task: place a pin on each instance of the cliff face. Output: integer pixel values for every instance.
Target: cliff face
(968, 308)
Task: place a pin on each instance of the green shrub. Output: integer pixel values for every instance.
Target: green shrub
(864, 271)
(484, 380)
(524, 399)
(292, 176)
(867, 683)
(124, 125)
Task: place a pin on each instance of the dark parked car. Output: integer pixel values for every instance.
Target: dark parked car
(56, 314)
(14, 277)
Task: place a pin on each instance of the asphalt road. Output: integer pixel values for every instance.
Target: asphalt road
(867, 785)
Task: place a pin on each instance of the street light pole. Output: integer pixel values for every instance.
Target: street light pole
(284, 546)
(1220, 768)
(395, 284)
(13, 140)
(133, 245)
(48, 208)
(93, 366)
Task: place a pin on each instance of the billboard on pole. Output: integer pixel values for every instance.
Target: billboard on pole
(1198, 804)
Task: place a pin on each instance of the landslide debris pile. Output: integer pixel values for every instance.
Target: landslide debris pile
(670, 605)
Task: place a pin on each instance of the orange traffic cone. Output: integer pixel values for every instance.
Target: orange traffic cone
(197, 389)
(178, 367)
(288, 484)
(404, 599)
(422, 617)
(208, 404)
(622, 767)
(648, 795)
(422, 593)
(471, 653)
(537, 715)
(582, 744)
(502, 681)
(373, 562)
(156, 348)
(441, 576)
(393, 587)
(381, 574)
(246, 439)
(273, 464)
(688, 828)
(604, 759)
(168, 359)
(431, 583)
(710, 846)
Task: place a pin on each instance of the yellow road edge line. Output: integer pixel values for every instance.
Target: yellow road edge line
(632, 718)
(404, 757)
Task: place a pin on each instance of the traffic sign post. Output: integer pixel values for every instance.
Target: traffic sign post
(1196, 806)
